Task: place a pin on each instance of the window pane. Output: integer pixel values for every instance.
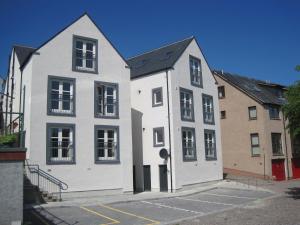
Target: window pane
(255, 150)
(66, 105)
(54, 104)
(55, 85)
(89, 46)
(79, 44)
(100, 134)
(159, 136)
(79, 62)
(158, 97)
(255, 140)
(110, 134)
(66, 86)
(79, 54)
(65, 133)
(89, 63)
(89, 55)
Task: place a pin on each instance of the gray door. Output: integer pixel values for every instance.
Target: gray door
(147, 178)
(163, 177)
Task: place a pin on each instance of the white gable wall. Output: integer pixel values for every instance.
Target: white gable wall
(55, 58)
(187, 173)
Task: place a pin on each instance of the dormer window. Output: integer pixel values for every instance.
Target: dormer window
(85, 55)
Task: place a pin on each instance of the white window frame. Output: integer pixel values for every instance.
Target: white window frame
(186, 104)
(114, 147)
(84, 53)
(102, 102)
(60, 159)
(210, 145)
(208, 109)
(188, 144)
(255, 147)
(252, 109)
(61, 94)
(196, 71)
(156, 131)
(155, 102)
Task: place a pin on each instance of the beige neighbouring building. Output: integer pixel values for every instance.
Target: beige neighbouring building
(254, 140)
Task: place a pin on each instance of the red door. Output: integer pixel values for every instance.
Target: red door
(278, 170)
(296, 168)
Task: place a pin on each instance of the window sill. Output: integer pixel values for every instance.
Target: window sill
(255, 156)
(61, 114)
(211, 159)
(107, 162)
(61, 163)
(209, 123)
(250, 119)
(187, 120)
(278, 155)
(275, 118)
(85, 71)
(197, 85)
(157, 105)
(189, 159)
(106, 117)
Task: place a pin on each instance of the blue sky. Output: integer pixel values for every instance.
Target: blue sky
(257, 38)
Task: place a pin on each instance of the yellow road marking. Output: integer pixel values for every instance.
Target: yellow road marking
(101, 215)
(39, 217)
(153, 222)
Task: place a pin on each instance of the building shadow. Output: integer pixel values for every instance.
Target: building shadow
(40, 215)
(293, 192)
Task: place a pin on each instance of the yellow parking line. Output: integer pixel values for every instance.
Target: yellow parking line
(153, 222)
(101, 215)
(39, 217)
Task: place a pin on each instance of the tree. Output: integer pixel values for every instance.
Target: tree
(292, 108)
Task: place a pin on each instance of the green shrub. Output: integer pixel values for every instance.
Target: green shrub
(8, 139)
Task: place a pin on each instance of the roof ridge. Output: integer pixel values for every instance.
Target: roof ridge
(164, 46)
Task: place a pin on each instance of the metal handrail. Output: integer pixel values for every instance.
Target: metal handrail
(35, 169)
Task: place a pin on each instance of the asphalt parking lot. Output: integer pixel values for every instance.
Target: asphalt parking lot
(150, 212)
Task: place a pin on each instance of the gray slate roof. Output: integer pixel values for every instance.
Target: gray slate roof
(259, 90)
(158, 59)
(23, 53)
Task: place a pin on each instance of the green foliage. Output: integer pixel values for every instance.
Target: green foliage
(8, 139)
(292, 108)
(297, 68)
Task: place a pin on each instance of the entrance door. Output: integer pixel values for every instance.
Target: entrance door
(147, 178)
(163, 177)
(278, 169)
(296, 168)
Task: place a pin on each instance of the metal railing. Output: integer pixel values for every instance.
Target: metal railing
(44, 181)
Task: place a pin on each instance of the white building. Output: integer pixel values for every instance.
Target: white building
(77, 113)
(174, 106)
(80, 118)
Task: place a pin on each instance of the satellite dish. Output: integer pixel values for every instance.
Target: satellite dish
(163, 153)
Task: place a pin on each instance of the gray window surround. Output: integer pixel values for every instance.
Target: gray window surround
(97, 84)
(99, 127)
(221, 89)
(192, 111)
(162, 129)
(73, 81)
(215, 146)
(213, 109)
(249, 108)
(155, 90)
(76, 37)
(280, 153)
(252, 145)
(271, 115)
(59, 125)
(195, 146)
(201, 76)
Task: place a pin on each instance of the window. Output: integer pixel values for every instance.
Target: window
(158, 137)
(221, 91)
(255, 149)
(208, 109)
(157, 97)
(85, 54)
(252, 113)
(186, 105)
(189, 144)
(210, 145)
(223, 114)
(61, 96)
(106, 100)
(276, 144)
(60, 143)
(196, 72)
(274, 112)
(106, 144)
(296, 145)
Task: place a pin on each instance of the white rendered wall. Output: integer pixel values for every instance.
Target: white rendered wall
(187, 173)
(55, 58)
(141, 100)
